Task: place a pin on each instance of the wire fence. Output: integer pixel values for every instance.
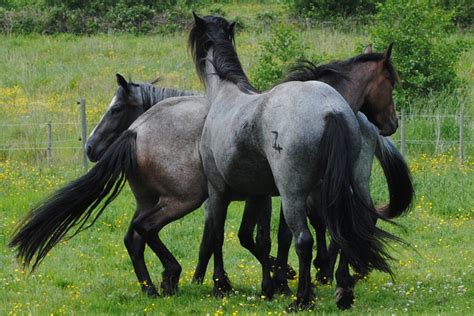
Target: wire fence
(55, 141)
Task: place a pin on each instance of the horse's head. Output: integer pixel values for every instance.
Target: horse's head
(126, 106)
(205, 32)
(378, 103)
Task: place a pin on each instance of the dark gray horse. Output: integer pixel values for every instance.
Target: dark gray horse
(158, 155)
(300, 140)
(142, 154)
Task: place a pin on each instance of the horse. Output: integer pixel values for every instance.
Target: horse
(338, 75)
(130, 153)
(343, 76)
(298, 140)
(154, 148)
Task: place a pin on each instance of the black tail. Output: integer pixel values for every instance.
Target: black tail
(76, 203)
(397, 174)
(350, 220)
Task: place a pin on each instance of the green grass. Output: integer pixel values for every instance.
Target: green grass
(92, 274)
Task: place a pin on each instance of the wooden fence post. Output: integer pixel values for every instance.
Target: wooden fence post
(461, 135)
(438, 134)
(82, 102)
(403, 133)
(50, 143)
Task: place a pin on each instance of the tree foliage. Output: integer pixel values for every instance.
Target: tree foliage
(282, 48)
(423, 53)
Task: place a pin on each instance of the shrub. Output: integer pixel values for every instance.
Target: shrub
(134, 19)
(323, 9)
(423, 53)
(463, 11)
(275, 54)
(27, 20)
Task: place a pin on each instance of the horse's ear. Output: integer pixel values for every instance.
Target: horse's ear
(232, 28)
(388, 52)
(121, 81)
(368, 49)
(157, 79)
(198, 20)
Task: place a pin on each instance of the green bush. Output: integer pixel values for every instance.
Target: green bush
(134, 19)
(423, 54)
(102, 6)
(463, 11)
(27, 20)
(324, 9)
(275, 54)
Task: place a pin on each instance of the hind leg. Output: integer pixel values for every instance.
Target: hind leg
(344, 285)
(280, 273)
(294, 209)
(149, 224)
(216, 209)
(321, 262)
(136, 247)
(205, 251)
(258, 209)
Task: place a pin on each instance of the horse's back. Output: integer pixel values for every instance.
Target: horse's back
(294, 121)
(168, 138)
(299, 110)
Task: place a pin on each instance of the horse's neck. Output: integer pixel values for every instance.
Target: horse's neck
(357, 87)
(151, 95)
(214, 83)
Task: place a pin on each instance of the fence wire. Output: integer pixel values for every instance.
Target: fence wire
(440, 132)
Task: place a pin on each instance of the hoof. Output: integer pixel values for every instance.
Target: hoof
(300, 305)
(221, 288)
(169, 288)
(323, 278)
(282, 288)
(198, 279)
(169, 285)
(199, 275)
(268, 290)
(150, 291)
(289, 272)
(344, 298)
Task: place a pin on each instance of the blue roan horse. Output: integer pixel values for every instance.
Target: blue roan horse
(300, 140)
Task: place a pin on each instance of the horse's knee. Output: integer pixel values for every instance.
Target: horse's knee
(142, 226)
(246, 238)
(304, 243)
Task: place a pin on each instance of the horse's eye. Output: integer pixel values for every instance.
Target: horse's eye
(116, 110)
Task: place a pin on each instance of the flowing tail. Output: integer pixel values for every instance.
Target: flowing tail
(76, 203)
(398, 176)
(349, 219)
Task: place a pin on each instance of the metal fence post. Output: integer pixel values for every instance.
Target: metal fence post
(402, 133)
(50, 143)
(461, 135)
(82, 102)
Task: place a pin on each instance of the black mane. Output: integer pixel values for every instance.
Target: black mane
(217, 33)
(151, 94)
(335, 71)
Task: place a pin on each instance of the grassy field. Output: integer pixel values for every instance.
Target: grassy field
(92, 273)
(42, 79)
